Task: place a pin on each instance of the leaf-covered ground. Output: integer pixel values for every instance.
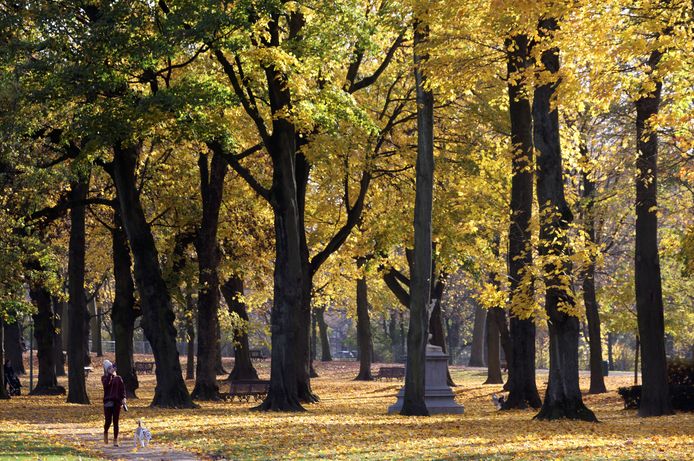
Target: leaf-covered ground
(351, 422)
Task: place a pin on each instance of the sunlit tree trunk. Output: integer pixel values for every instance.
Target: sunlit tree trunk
(420, 286)
(77, 308)
(212, 175)
(521, 362)
(655, 394)
(363, 327)
(123, 313)
(157, 312)
(232, 290)
(563, 397)
(477, 348)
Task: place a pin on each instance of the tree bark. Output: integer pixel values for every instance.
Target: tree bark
(420, 285)
(123, 312)
(211, 192)
(326, 356)
(3, 390)
(363, 326)
(521, 361)
(493, 362)
(232, 290)
(77, 308)
(95, 328)
(157, 313)
(477, 349)
(44, 333)
(655, 393)
(59, 311)
(190, 331)
(13, 346)
(563, 397)
(597, 381)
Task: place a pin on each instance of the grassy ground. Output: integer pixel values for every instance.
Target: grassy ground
(351, 422)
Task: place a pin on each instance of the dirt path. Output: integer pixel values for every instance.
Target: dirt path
(93, 441)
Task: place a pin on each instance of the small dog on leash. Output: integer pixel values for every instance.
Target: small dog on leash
(142, 435)
(498, 401)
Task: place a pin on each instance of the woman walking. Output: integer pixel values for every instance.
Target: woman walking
(114, 398)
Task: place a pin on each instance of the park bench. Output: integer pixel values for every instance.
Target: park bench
(244, 390)
(144, 367)
(87, 370)
(257, 355)
(389, 373)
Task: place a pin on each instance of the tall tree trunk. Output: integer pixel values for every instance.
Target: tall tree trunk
(477, 349)
(95, 325)
(655, 393)
(123, 313)
(610, 357)
(157, 313)
(563, 397)
(521, 361)
(44, 333)
(493, 361)
(3, 390)
(190, 332)
(77, 308)
(637, 348)
(597, 381)
(211, 192)
(420, 285)
(219, 365)
(326, 356)
(13, 346)
(363, 326)
(59, 312)
(232, 290)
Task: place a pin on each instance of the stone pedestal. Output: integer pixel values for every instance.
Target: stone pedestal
(438, 396)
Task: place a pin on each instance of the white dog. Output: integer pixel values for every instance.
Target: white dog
(142, 434)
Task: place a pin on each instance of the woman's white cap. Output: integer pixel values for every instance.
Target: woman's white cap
(107, 365)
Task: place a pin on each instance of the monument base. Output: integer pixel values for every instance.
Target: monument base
(438, 396)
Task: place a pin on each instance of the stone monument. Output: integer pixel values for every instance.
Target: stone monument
(438, 395)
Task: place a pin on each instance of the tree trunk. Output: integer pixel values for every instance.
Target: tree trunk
(420, 285)
(219, 365)
(563, 397)
(232, 290)
(44, 333)
(211, 192)
(95, 326)
(59, 312)
(77, 308)
(637, 347)
(123, 313)
(190, 331)
(326, 356)
(597, 381)
(610, 357)
(157, 313)
(3, 390)
(477, 350)
(493, 362)
(655, 393)
(521, 361)
(13, 346)
(363, 326)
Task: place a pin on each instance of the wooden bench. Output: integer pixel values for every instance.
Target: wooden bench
(389, 373)
(257, 355)
(144, 367)
(87, 370)
(244, 390)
